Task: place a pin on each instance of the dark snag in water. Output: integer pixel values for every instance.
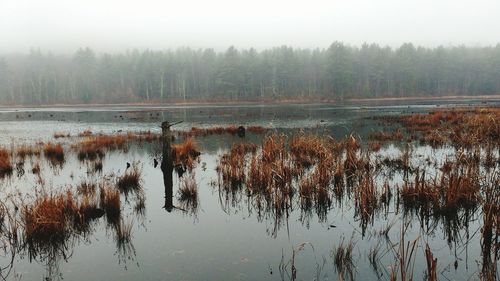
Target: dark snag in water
(241, 131)
(167, 165)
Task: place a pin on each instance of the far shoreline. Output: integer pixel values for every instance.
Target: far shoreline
(201, 103)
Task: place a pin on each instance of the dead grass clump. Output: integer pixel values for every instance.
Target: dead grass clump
(87, 188)
(90, 152)
(457, 187)
(144, 136)
(94, 147)
(351, 162)
(231, 167)
(24, 151)
(6, 167)
(49, 218)
(366, 200)
(259, 176)
(308, 149)
(130, 181)
(462, 127)
(185, 153)
(36, 168)
(381, 136)
(231, 129)
(243, 148)
(256, 129)
(110, 203)
(54, 152)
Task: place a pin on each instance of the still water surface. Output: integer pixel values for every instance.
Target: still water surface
(221, 239)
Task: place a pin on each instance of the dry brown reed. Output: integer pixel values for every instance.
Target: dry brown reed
(130, 181)
(54, 153)
(110, 203)
(462, 127)
(52, 218)
(382, 136)
(231, 129)
(24, 151)
(185, 153)
(6, 167)
(456, 187)
(431, 264)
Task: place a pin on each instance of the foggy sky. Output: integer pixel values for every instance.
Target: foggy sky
(116, 25)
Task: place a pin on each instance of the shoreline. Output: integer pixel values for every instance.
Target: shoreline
(256, 102)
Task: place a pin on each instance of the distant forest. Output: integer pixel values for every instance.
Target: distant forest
(282, 73)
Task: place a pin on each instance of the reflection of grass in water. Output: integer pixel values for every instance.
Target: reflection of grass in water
(123, 239)
(189, 189)
(490, 238)
(218, 130)
(343, 259)
(188, 194)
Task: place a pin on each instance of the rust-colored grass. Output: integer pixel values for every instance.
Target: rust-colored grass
(24, 151)
(6, 167)
(456, 187)
(382, 136)
(110, 203)
(130, 181)
(463, 127)
(184, 153)
(219, 130)
(54, 152)
(49, 218)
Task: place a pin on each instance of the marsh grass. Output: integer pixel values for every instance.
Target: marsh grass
(185, 153)
(431, 264)
(54, 217)
(219, 130)
(461, 127)
(6, 166)
(54, 153)
(23, 151)
(130, 181)
(110, 203)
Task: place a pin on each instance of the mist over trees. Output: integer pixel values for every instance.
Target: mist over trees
(338, 72)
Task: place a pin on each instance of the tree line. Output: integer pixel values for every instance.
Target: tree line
(335, 73)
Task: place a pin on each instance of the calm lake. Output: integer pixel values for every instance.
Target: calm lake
(225, 236)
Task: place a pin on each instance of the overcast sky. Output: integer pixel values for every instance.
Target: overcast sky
(117, 25)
